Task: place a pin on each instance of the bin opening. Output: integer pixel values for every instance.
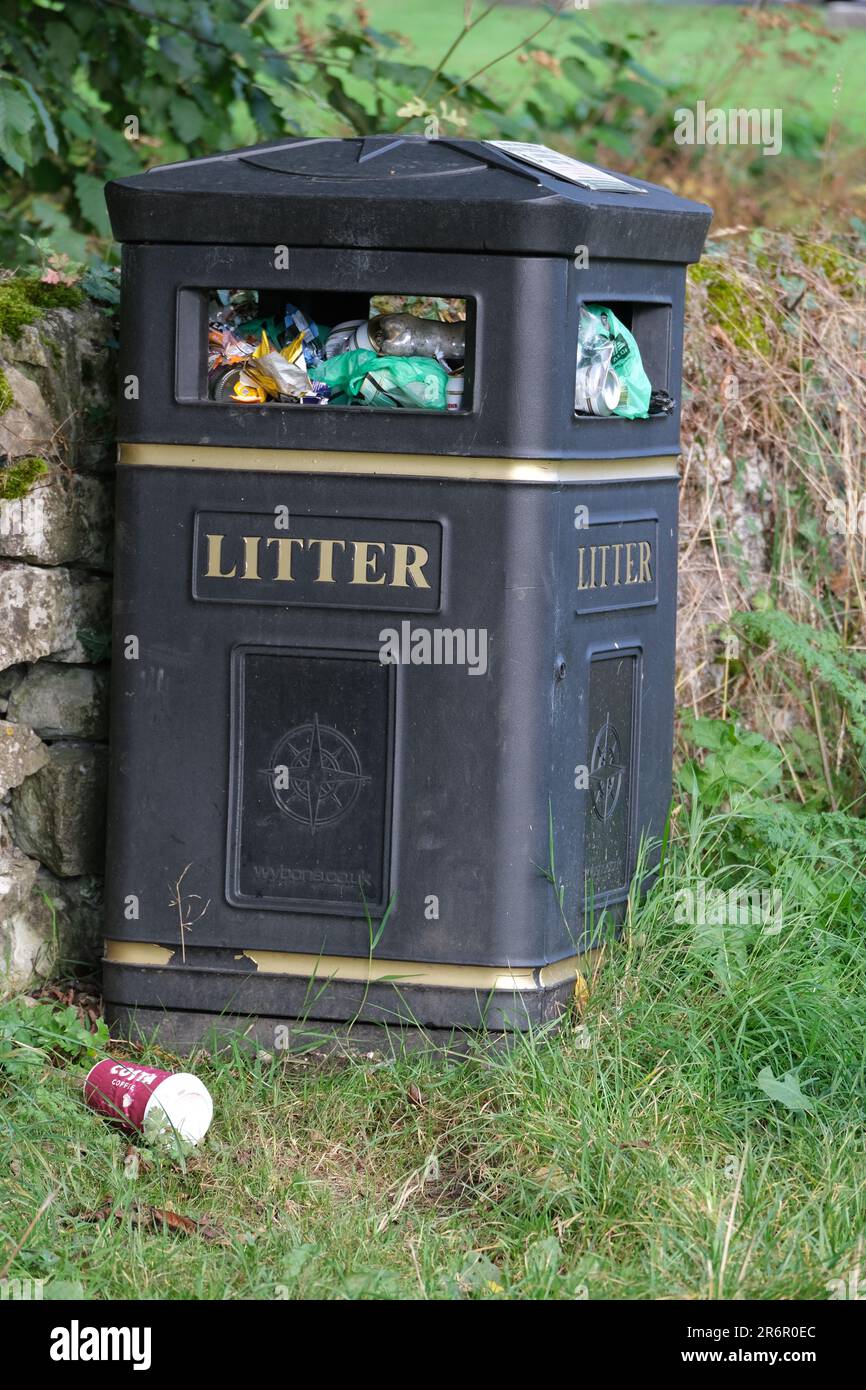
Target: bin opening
(336, 349)
(623, 360)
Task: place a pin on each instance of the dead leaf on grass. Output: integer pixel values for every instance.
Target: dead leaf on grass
(168, 1220)
(104, 1212)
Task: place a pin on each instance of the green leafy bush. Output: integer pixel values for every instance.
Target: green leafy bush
(32, 1035)
(738, 765)
(92, 92)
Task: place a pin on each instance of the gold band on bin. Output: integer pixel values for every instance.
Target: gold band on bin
(361, 970)
(467, 470)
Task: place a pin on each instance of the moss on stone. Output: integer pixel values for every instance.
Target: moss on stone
(840, 269)
(6, 397)
(24, 301)
(732, 306)
(17, 480)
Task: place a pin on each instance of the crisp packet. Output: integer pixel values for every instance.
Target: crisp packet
(224, 348)
(312, 336)
(247, 391)
(277, 376)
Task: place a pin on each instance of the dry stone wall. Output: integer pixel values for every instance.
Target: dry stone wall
(56, 465)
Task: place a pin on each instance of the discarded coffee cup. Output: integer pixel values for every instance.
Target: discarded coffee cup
(163, 1106)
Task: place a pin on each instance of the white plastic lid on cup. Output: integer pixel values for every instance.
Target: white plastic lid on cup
(181, 1105)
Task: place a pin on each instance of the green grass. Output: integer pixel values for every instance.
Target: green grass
(633, 1155)
(726, 57)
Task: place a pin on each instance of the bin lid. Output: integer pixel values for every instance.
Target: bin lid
(407, 193)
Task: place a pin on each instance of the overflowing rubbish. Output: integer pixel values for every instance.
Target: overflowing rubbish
(401, 359)
(408, 353)
(610, 377)
(165, 1107)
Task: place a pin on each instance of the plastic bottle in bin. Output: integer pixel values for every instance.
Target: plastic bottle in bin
(406, 335)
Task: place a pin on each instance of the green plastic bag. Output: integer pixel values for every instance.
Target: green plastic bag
(416, 382)
(601, 335)
(345, 372)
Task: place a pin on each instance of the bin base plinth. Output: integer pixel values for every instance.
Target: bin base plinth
(183, 1032)
(275, 996)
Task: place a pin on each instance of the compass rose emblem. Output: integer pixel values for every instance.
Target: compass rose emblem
(606, 771)
(315, 775)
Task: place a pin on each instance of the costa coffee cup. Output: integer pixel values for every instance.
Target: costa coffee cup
(146, 1100)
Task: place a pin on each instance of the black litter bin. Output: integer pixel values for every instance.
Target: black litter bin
(392, 673)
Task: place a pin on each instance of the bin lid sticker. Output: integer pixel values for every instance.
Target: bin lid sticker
(564, 167)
